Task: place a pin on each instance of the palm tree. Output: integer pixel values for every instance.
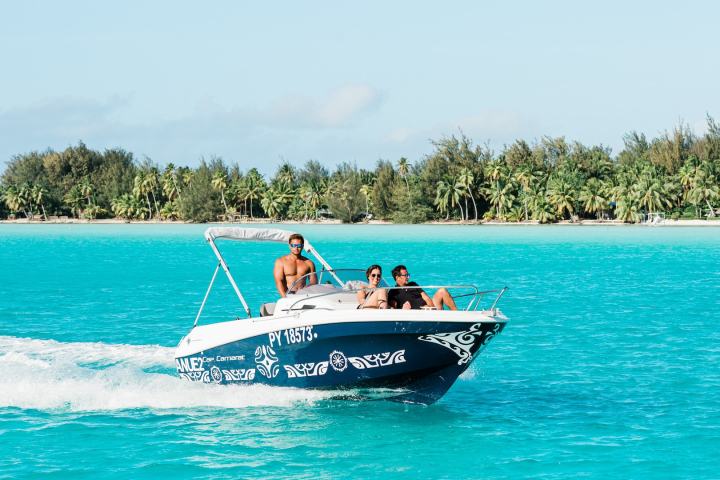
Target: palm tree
(219, 182)
(151, 185)
(651, 193)
(686, 177)
(86, 190)
(14, 200)
(128, 207)
(705, 190)
(516, 213)
(38, 194)
(310, 193)
(285, 194)
(500, 195)
(140, 188)
(254, 187)
(628, 209)
(169, 182)
(442, 198)
(495, 172)
(285, 175)
(187, 176)
(525, 177)
(304, 193)
(93, 211)
(25, 194)
(466, 179)
(239, 189)
(542, 210)
(271, 203)
(404, 170)
(170, 211)
(592, 198)
(561, 195)
(366, 189)
(75, 199)
(457, 193)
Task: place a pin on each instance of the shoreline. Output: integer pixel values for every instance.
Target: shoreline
(602, 223)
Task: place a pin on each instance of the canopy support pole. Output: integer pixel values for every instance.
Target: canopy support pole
(202, 305)
(230, 277)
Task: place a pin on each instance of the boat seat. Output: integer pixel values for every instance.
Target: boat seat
(267, 309)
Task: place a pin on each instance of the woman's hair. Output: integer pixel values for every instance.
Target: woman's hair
(370, 269)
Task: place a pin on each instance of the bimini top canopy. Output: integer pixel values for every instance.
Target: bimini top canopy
(248, 234)
(258, 235)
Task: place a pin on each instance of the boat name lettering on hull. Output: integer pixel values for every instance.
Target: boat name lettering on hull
(193, 364)
(291, 336)
(230, 358)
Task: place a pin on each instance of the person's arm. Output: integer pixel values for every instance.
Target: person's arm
(312, 279)
(279, 274)
(361, 295)
(428, 301)
(392, 303)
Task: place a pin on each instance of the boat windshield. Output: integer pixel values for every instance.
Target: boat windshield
(351, 278)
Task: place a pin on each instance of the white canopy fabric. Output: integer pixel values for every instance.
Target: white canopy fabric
(258, 235)
(248, 234)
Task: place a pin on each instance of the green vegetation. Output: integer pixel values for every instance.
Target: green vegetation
(677, 173)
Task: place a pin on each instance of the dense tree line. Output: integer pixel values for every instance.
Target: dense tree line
(677, 173)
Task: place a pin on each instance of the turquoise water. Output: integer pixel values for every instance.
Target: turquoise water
(610, 366)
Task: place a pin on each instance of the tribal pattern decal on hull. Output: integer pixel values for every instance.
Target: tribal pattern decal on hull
(338, 361)
(266, 360)
(461, 343)
(196, 376)
(239, 374)
(377, 360)
(306, 369)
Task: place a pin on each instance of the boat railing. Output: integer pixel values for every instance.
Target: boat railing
(477, 298)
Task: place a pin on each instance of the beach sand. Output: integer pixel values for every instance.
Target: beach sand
(114, 221)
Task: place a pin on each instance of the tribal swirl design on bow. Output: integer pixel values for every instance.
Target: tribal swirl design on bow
(462, 343)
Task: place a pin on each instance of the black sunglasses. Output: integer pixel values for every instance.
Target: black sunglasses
(375, 275)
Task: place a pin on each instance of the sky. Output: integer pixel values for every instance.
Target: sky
(259, 83)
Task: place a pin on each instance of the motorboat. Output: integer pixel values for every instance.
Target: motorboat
(319, 337)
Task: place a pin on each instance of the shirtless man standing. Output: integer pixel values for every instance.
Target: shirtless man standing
(292, 266)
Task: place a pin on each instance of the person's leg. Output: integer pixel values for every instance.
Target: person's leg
(443, 298)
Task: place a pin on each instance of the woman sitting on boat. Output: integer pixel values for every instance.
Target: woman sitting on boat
(371, 296)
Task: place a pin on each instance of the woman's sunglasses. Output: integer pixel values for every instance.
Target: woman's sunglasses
(375, 275)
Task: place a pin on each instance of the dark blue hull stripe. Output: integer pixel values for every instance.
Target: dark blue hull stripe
(419, 359)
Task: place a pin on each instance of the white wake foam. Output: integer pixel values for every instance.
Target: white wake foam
(78, 376)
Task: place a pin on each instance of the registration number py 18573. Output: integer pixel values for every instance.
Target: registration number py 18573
(292, 335)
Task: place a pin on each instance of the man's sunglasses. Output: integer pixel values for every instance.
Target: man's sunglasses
(403, 274)
(297, 245)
